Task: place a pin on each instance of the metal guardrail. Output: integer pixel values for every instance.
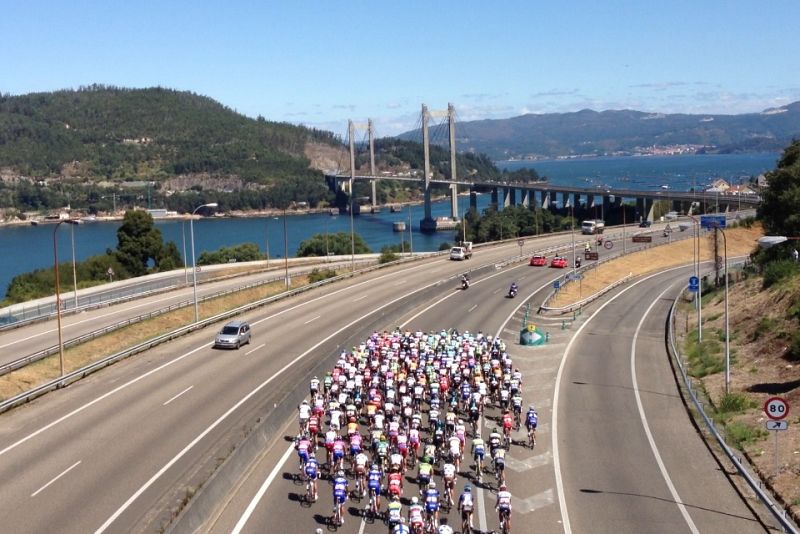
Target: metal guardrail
(44, 353)
(755, 484)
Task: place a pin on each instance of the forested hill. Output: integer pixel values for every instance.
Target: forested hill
(626, 132)
(109, 133)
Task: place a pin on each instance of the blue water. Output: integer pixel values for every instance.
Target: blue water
(25, 248)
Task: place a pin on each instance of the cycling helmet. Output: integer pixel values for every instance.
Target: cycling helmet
(502, 487)
(340, 473)
(432, 484)
(304, 402)
(468, 488)
(414, 500)
(396, 498)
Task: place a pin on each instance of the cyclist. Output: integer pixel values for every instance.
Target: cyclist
(531, 422)
(424, 473)
(394, 513)
(313, 387)
(415, 519)
(444, 529)
(303, 447)
(432, 504)
(396, 483)
(478, 451)
(503, 505)
(312, 473)
(508, 423)
(401, 527)
(374, 484)
(465, 506)
(495, 439)
(449, 475)
(499, 460)
(360, 471)
(303, 413)
(339, 495)
(516, 405)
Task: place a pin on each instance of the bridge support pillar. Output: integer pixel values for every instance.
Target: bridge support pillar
(511, 196)
(576, 200)
(526, 197)
(545, 196)
(495, 199)
(453, 201)
(374, 193)
(565, 200)
(606, 206)
(473, 200)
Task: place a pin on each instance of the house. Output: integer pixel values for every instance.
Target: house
(741, 189)
(719, 186)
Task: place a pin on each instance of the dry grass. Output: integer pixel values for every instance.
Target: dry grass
(740, 241)
(46, 370)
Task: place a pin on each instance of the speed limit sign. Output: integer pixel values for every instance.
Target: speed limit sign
(776, 408)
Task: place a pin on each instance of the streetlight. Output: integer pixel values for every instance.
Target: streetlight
(696, 261)
(352, 232)
(194, 264)
(74, 270)
(727, 324)
(285, 250)
(58, 294)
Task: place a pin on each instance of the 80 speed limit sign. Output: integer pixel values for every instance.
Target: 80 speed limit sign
(776, 408)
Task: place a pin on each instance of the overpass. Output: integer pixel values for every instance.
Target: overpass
(549, 195)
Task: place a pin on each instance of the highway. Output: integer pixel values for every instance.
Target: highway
(123, 449)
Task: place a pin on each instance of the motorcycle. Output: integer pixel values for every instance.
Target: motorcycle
(512, 292)
(465, 283)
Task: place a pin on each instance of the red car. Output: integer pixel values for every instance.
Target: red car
(559, 262)
(539, 261)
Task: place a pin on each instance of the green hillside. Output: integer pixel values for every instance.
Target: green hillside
(123, 134)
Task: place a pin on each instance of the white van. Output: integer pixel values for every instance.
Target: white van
(458, 253)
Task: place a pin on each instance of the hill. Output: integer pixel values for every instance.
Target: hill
(626, 132)
(112, 133)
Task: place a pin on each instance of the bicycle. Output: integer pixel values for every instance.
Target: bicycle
(500, 474)
(505, 521)
(532, 437)
(466, 526)
(517, 419)
(372, 507)
(337, 519)
(311, 491)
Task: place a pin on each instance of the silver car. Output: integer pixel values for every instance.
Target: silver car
(233, 335)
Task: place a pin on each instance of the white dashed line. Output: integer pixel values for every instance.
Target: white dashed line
(67, 470)
(178, 395)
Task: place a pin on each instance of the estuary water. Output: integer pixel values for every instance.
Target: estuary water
(25, 248)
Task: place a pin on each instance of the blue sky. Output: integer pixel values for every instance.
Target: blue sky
(321, 63)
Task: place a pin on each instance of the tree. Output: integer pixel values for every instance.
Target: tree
(778, 210)
(337, 244)
(140, 246)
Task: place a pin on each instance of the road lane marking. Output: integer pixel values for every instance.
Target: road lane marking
(312, 319)
(261, 491)
(646, 426)
(254, 349)
(562, 501)
(67, 470)
(360, 298)
(178, 395)
(472, 308)
(400, 283)
(247, 397)
(533, 502)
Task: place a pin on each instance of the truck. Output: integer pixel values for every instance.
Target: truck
(593, 226)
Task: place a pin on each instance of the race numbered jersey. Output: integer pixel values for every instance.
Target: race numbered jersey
(449, 470)
(504, 500)
(466, 502)
(311, 469)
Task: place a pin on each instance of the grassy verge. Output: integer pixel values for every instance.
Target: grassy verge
(79, 356)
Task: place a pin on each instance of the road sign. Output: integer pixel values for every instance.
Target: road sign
(556, 284)
(574, 276)
(591, 256)
(642, 239)
(776, 408)
(608, 244)
(777, 425)
(694, 284)
(712, 221)
(667, 229)
(521, 242)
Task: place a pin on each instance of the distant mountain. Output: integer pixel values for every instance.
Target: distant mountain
(626, 132)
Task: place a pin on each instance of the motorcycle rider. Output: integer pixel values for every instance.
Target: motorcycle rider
(512, 291)
(465, 280)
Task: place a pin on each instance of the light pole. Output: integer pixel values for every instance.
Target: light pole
(727, 317)
(696, 259)
(285, 250)
(194, 264)
(58, 295)
(410, 233)
(352, 232)
(185, 261)
(74, 270)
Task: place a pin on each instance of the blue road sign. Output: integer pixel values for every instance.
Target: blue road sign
(694, 284)
(712, 221)
(556, 284)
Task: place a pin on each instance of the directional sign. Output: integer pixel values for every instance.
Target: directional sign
(556, 284)
(777, 425)
(574, 276)
(642, 239)
(776, 408)
(712, 221)
(694, 284)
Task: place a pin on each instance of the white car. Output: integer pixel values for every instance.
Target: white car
(458, 253)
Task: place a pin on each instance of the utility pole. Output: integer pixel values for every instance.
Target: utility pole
(351, 134)
(426, 149)
(370, 133)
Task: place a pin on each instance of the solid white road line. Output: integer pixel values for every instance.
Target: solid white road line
(254, 349)
(646, 426)
(562, 502)
(312, 319)
(178, 395)
(67, 470)
(261, 491)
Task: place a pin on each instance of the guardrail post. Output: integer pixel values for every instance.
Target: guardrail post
(563, 324)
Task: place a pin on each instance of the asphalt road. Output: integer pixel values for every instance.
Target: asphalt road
(122, 449)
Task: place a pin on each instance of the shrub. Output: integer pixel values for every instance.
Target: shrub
(735, 403)
(387, 255)
(740, 433)
(445, 246)
(776, 271)
(317, 276)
